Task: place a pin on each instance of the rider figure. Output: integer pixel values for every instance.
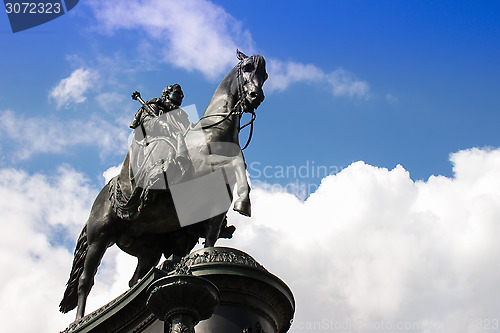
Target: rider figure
(171, 99)
(174, 124)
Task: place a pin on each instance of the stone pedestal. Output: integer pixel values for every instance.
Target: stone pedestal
(181, 301)
(242, 295)
(251, 298)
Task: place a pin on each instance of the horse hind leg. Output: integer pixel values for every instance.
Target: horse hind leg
(98, 231)
(93, 258)
(145, 261)
(70, 298)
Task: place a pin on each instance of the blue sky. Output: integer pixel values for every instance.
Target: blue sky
(359, 86)
(431, 72)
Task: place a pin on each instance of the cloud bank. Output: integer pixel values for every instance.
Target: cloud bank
(193, 34)
(341, 82)
(200, 35)
(34, 135)
(371, 248)
(73, 88)
(41, 217)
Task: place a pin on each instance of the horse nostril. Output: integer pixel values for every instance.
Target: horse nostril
(253, 94)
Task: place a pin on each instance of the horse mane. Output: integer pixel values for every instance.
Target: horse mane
(260, 64)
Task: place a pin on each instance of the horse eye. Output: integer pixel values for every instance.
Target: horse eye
(248, 67)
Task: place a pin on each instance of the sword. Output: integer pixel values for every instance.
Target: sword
(137, 96)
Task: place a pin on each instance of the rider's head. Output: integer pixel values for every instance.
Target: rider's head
(173, 94)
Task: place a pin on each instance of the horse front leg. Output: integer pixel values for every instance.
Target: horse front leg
(212, 231)
(242, 204)
(234, 165)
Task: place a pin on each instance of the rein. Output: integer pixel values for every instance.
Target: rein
(234, 111)
(251, 129)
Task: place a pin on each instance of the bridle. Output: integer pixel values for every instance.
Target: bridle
(237, 110)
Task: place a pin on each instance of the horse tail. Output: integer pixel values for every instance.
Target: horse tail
(70, 299)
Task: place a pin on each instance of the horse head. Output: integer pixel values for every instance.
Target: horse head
(252, 75)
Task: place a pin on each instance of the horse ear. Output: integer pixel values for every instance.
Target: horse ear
(240, 55)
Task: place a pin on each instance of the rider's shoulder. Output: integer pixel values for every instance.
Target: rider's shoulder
(154, 101)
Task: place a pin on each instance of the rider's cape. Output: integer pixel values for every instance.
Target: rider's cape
(157, 158)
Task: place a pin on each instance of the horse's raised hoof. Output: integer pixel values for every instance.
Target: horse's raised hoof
(243, 207)
(227, 232)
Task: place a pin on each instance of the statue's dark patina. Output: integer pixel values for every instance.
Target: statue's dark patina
(212, 144)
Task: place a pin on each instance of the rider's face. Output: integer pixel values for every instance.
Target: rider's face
(176, 96)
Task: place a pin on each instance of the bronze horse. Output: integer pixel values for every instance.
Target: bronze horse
(153, 233)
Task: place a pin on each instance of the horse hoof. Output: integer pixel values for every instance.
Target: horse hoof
(227, 232)
(243, 207)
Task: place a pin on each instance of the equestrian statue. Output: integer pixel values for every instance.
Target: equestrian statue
(176, 182)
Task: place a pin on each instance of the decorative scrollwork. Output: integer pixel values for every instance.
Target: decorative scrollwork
(219, 255)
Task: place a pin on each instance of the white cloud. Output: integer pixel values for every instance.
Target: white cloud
(41, 217)
(193, 34)
(341, 82)
(73, 88)
(370, 247)
(111, 101)
(282, 74)
(391, 99)
(200, 35)
(50, 135)
(39, 214)
(111, 172)
(345, 83)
